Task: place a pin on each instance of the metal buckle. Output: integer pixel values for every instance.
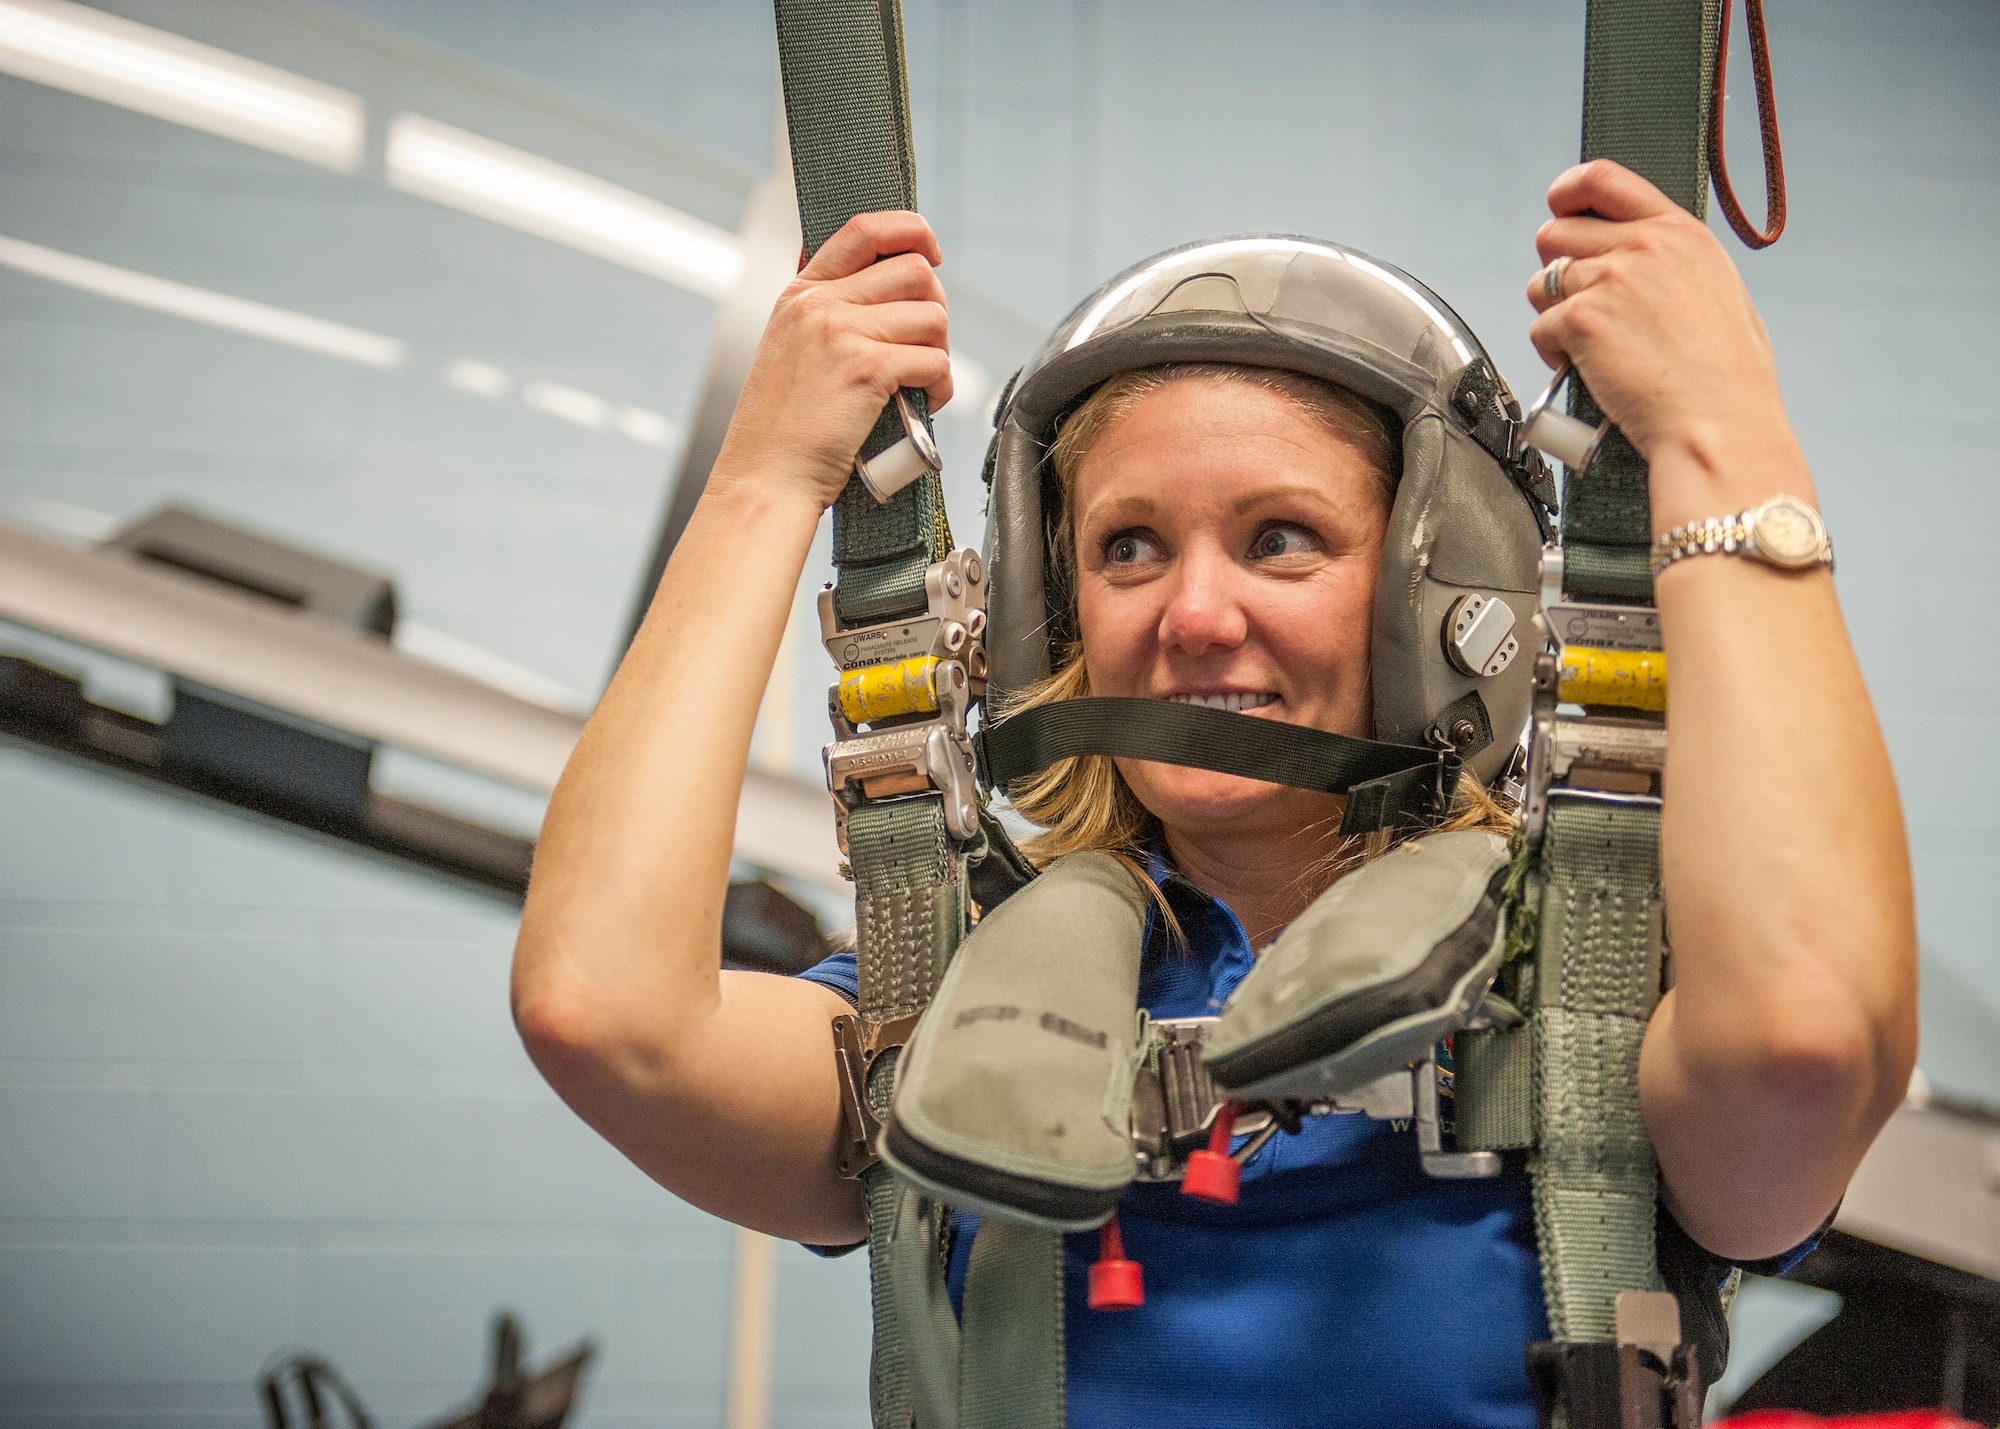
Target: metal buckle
(952, 627)
(1595, 757)
(909, 759)
(893, 468)
(1606, 626)
(918, 755)
(857, 1043)
(1174, 1102)
(1436, 1161)
(1573, 443)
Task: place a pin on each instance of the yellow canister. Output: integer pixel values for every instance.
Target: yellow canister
(1636, 679)
(898, 687)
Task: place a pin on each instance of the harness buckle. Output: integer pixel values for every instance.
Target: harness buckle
(857, 1044)
(1591, 755)
(1175, 1102)
(896, 671)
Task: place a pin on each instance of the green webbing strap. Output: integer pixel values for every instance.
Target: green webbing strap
(918, 1381)
(1648, 68)
(847, 114)
(1012, 1366)
(908, 908)
(1495, 1106)
(1597, 979)
(908, 918)
(847, 111)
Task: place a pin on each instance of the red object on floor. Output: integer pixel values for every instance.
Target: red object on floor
(1900, 1419)
(1115, 1282)
(1213, 1175)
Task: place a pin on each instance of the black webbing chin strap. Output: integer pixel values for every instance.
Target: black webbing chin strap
(1385, 784)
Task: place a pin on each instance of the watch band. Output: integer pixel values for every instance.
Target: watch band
(1793, 537)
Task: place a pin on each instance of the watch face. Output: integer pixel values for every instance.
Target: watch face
(1788, 532)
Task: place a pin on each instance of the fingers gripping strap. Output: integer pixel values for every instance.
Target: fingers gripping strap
(1597, 980)
(1648, 76)
(848, 116)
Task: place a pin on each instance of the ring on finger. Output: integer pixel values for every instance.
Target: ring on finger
(1552, 279)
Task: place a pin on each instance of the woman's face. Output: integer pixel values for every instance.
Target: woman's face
(1227, 546)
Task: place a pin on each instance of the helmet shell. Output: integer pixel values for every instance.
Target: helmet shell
(1466, 519)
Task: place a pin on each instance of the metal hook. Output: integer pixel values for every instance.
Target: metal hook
(893, 468)
(1569, 441)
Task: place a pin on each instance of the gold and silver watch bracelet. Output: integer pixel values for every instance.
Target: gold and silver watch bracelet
(1784, 532)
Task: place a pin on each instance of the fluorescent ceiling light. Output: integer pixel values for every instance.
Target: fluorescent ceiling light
(102, 56)
(200, 305)
(482, 379)
(586, 409)
(648, 428)
(553, 201)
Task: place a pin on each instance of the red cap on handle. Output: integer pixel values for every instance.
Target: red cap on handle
(1115, 1282)
(1213, 1175)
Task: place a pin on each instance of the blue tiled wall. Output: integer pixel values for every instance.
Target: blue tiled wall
(257, 1093)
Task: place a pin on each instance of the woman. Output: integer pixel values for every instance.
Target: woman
(1226, 529)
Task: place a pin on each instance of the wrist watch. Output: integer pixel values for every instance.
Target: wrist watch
(1782, 532)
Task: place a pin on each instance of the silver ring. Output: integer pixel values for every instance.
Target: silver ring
(1552, 279)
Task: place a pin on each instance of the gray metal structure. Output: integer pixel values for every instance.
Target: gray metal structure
(260, 677)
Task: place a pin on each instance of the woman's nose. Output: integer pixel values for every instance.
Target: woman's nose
(1204, 611)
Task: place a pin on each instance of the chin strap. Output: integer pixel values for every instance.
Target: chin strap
(1385, 784)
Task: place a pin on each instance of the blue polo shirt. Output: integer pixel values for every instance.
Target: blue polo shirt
(1345, 1287)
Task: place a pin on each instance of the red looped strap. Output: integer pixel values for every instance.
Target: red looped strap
(1767, 128)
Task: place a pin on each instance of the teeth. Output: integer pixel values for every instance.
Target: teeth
(1231, 702)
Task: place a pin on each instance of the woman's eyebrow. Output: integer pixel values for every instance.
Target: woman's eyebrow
(1123, 508)
(1303, 491)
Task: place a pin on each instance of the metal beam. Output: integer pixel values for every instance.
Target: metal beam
(303, 670)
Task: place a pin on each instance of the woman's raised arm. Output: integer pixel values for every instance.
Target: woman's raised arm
(1791, 1030)
(720, 1085)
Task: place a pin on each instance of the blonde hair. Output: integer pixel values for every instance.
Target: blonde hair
(1084, 803)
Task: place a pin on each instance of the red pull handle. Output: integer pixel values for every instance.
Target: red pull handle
(1213, 1175)
(1115, 1282)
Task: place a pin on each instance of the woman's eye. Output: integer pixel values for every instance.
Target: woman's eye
(1130, 548)
(1278, 541)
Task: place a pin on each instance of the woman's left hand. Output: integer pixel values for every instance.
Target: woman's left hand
(1658, 322)
(1789, 1033)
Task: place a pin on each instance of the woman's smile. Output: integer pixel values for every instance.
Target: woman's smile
(1228, 544)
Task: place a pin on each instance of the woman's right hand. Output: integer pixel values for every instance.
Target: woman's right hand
(719, 1084)
(865, 317)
